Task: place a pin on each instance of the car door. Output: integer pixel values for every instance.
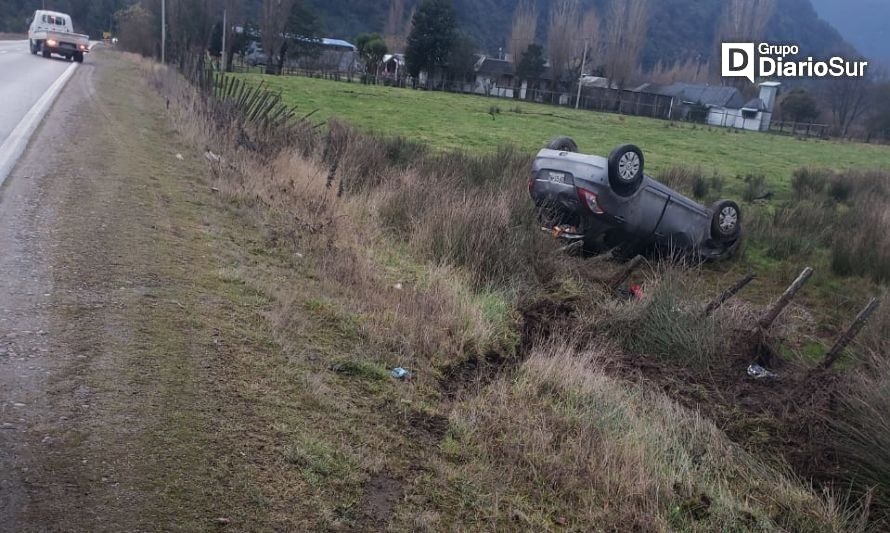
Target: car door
(642, 212)
(684, 223)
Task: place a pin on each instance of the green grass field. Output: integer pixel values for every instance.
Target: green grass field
(453, 121)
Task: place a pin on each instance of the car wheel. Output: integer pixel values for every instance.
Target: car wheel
(726, 220)
(563, 144)
(626, 169)
(33, 47)
(78, 57)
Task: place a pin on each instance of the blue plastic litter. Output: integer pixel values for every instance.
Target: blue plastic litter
(400, 373)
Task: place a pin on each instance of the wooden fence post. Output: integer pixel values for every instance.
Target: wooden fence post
(767, 320)
(729, 293)
(835, 352)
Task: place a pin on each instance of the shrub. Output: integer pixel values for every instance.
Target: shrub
(808, 182)
(701, 187)
(840, 189)
(790, 231)
(862, 243)
(755, 187)
(686, 180)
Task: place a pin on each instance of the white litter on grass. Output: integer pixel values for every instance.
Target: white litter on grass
(179, 156)
(758, 372)
(211, 157)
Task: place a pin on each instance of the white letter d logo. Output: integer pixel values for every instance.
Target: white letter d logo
(737, 60)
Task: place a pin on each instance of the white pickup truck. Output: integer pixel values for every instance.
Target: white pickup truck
(53, 33)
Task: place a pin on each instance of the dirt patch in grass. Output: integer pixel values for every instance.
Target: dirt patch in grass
(381, 495)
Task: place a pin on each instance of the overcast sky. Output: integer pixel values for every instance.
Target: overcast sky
(864, 23)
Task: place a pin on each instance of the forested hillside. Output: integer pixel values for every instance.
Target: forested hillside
(678, 29)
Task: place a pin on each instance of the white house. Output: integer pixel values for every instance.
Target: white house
(720, 105)
(755, 115)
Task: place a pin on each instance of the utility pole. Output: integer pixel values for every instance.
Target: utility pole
(163, 31)
(225, 30)
(581, 75)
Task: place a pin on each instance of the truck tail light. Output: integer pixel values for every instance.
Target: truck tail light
(51, 42)
(590, 201)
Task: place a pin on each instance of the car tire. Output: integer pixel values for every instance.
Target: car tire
(626, 169)
(44, 52)
(78, 57)
(726, 221)
(563, 144)
(33, 47)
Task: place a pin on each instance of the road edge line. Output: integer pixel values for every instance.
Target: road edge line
(17, 141)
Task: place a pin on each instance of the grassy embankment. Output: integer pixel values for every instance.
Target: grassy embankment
(432, 261)
(784, 233)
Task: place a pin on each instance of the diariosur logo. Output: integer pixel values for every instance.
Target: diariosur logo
(765, 60)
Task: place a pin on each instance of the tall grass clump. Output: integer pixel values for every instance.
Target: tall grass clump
(667, 324)
(793, 230)
(861, 244)
(809, 182)
(844, 215)
(755, 187)
(561, 433)
(692, 181)
(472, 211)
(861, 422)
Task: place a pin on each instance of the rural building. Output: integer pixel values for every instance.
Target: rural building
(393, 66)
(330, 55)
(494, 77)
(718, 105)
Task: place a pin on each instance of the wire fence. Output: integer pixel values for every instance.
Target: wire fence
(801, 129)
(600, 99)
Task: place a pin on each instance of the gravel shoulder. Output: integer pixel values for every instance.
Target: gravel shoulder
(114, 408)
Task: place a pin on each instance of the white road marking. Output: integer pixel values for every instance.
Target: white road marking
(14, 145)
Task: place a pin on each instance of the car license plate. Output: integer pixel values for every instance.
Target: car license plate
(558, 177)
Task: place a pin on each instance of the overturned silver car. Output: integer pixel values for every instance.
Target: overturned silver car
(609, 203)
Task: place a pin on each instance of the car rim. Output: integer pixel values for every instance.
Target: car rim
(628, 166)
(728, 219)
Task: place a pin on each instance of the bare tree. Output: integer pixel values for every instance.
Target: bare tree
(690, 70)
(563, 35)
(394, 31)
(273, 20)
(741, 21)
(626, 35)
(745, 20)
(847, 98)
(590, 31)
(525, 24)
(189, 25)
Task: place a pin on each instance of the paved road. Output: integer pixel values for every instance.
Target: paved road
(23, 81)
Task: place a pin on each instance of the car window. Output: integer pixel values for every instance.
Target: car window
(54, 20)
